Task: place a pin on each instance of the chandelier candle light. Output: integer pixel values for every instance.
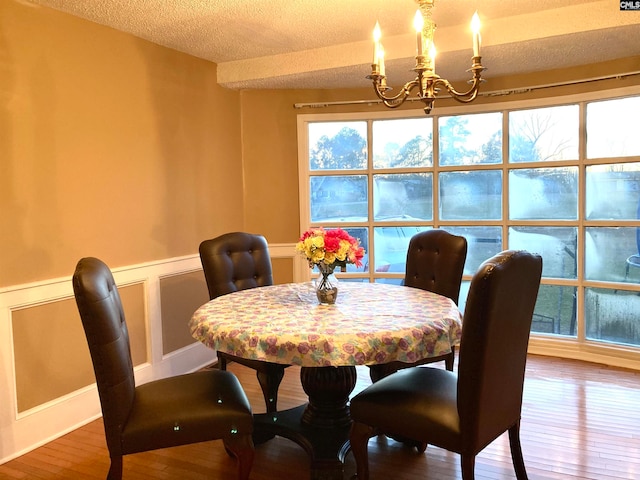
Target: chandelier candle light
(427, 82)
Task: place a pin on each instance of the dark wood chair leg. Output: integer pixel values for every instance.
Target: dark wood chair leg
(222, 362)
(115, 470)
(450, 359)
(468, 464)
(381, 370)
(241, 447)
(359, 439)
(269, 379)
(269, 375)
(516, 452)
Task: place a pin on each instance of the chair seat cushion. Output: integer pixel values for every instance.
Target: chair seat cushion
(419, 403)
(193, 407)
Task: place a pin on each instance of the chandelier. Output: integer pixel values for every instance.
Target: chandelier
(427, 82)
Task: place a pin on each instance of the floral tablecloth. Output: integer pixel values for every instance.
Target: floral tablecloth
(370, 323)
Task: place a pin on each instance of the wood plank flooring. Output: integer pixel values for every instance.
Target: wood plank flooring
(579, 421)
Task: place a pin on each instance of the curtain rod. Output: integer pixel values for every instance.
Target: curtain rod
(494, 93)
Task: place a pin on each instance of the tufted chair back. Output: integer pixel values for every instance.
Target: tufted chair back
(238, 261)
(104, 323)
(235, 261)
(435, 262)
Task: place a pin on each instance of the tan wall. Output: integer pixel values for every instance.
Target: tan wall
(110, 146)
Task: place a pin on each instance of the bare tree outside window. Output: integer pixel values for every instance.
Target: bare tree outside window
(544, 134)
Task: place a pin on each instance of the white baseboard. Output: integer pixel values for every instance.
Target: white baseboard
(600, 353)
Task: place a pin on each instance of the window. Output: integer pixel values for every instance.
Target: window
(561, 180)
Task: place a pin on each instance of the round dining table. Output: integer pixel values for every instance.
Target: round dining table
(370, 324)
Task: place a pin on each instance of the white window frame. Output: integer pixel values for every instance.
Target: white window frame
(567, 347)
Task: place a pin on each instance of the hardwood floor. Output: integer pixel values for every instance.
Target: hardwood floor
(579, 421)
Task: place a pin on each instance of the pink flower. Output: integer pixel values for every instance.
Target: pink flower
(331, 244)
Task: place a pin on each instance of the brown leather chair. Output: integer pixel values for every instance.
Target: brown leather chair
(190, 408)
(435, 262)
(238, 261)
(463, 413)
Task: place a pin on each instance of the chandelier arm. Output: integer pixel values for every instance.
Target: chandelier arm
(400, 98)
(462, 97)
(471, 94)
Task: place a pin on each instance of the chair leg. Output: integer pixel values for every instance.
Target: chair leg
(381, 370)
(516, 452)
(222, 362)
(241, 447)
(450, 359)
(468, 464)
(115, 470)
(359, 439)
(269, 380)
(269, 375)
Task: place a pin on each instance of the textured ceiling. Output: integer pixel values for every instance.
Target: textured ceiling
(327, 43)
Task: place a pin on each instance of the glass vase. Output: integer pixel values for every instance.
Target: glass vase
(326, 284)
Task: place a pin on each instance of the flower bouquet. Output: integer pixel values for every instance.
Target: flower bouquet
(328, 249)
